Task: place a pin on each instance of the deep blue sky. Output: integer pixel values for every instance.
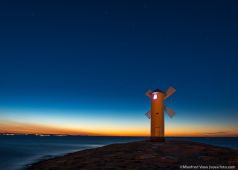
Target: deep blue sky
(103, 55)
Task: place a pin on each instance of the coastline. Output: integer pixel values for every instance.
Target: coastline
(48, 157)
(143, 155)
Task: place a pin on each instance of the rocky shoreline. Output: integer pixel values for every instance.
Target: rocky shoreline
(145, 155)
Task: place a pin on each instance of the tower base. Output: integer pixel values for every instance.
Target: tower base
(157, 139)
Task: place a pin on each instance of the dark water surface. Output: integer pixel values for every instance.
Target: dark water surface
(18, 151)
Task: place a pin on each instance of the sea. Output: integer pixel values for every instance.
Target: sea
(19, 151)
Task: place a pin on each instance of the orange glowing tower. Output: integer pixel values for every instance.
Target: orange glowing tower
(156, 113)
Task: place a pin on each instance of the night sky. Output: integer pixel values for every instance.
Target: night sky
(82, 67)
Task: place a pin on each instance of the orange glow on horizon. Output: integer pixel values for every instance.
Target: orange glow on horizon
(24, 128)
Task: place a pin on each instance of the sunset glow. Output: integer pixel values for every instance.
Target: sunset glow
(83, 68)
(120, 126)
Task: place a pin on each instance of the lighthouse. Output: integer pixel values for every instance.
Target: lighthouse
(156, 113)
(157, 116)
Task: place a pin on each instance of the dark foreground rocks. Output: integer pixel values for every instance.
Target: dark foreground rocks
(145, 156)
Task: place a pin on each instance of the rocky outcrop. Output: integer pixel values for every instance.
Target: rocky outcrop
(145, 155)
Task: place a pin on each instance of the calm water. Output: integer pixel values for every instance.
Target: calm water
(18, 151)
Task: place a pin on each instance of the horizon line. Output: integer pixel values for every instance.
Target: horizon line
(45, 135)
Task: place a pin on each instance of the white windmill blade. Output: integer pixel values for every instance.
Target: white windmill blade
(148, 114)
(149, 93)
(171, 90)
(170, 112)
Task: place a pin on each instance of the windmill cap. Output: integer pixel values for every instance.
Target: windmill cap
(158, 90)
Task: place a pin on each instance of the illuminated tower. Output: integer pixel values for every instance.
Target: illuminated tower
(156, 113)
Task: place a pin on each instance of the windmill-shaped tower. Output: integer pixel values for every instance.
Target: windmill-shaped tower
(156, 113)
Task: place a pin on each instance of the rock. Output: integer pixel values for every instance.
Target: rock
(143, 155)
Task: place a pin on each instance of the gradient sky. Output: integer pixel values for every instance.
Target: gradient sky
(82, 67)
